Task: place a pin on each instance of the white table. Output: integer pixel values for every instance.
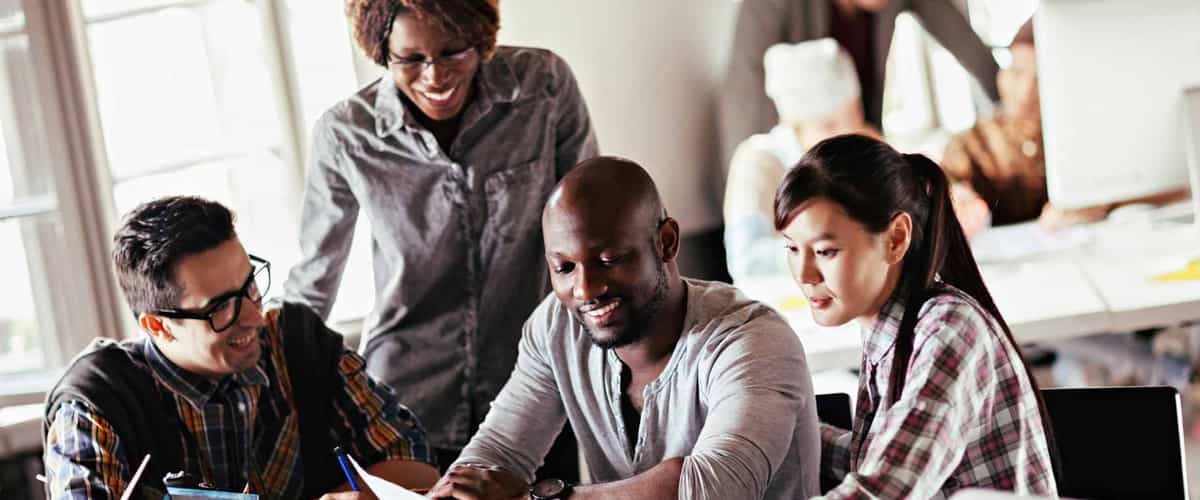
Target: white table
(1121, 271)
(1046, 300)
(1042, 300)
(824, 348)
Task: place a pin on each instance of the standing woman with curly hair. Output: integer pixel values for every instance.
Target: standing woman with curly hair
(945, 400)
(450, 156)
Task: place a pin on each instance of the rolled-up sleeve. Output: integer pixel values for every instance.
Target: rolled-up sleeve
(527, 414)
(327, 220)
(375, 424)
(757, 387)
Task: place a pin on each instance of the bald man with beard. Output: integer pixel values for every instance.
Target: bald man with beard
(675, 388)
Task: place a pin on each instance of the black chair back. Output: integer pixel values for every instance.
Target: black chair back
(833, 408)
(1119, 442)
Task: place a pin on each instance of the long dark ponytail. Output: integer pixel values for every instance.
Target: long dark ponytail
(873, 183)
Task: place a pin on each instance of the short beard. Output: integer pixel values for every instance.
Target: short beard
(636, 330)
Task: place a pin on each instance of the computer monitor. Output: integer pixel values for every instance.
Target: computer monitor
(1112, 75)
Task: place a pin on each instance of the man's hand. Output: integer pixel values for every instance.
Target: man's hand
(474, 482)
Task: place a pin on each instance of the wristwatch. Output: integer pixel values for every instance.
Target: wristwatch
(550, 489)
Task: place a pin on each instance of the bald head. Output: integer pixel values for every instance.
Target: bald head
(611, 251)
(605, 190)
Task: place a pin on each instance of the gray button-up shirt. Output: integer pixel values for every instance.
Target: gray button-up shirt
(735, 400)
(456, 235)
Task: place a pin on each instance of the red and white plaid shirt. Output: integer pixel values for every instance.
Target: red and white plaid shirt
(968, 415)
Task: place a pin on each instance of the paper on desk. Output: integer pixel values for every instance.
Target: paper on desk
(1024, 240)
(1189, 273)
(382, 487)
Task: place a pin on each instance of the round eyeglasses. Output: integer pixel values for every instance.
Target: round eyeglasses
(415, 65)
(223, 310)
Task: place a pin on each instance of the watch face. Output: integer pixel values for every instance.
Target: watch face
(548, 488)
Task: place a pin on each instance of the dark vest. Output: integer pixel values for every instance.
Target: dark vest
(123, 391)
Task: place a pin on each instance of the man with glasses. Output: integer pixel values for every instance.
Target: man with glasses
(235, 395)
(450, 156)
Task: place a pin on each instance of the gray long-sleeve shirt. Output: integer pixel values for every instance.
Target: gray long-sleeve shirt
(735, 400)
(456, 235)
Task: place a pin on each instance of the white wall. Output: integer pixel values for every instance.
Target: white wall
(649, 71)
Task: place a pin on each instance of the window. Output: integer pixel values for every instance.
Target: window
(105, 104)
(929, 96)
(997, 21)
(324, 56)
(29, 219)
(188, 105)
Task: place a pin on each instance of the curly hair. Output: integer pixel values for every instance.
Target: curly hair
(476, 21)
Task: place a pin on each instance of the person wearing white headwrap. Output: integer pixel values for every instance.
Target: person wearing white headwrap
(864, 27)
(815, 89)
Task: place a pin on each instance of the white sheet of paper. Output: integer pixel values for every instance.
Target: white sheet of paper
(382, 487)
(1026, 240)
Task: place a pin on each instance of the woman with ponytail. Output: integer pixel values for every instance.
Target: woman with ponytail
(945, 399)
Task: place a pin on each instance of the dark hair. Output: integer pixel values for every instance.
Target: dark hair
(154, 236)
(476, 21)
(873, 183)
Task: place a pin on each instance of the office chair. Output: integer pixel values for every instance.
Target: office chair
(833, 408)
(1118, 442)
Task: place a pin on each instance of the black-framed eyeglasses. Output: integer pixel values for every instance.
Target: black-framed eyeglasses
(224, 309)
(418, 64)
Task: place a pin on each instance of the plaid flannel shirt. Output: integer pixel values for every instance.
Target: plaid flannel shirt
(238, 431)
(967, 417)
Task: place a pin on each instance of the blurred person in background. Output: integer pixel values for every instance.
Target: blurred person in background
(1000, 163)
(863, 27)
(1001, 158)
(816, 92)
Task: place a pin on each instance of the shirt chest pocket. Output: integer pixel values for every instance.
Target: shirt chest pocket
(515, 197)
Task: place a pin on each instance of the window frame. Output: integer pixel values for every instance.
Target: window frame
(77, 162)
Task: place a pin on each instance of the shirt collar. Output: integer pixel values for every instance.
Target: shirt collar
(495, 82)
(197, 389)
(879, 336)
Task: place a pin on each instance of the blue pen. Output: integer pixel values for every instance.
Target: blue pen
(341, 458)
